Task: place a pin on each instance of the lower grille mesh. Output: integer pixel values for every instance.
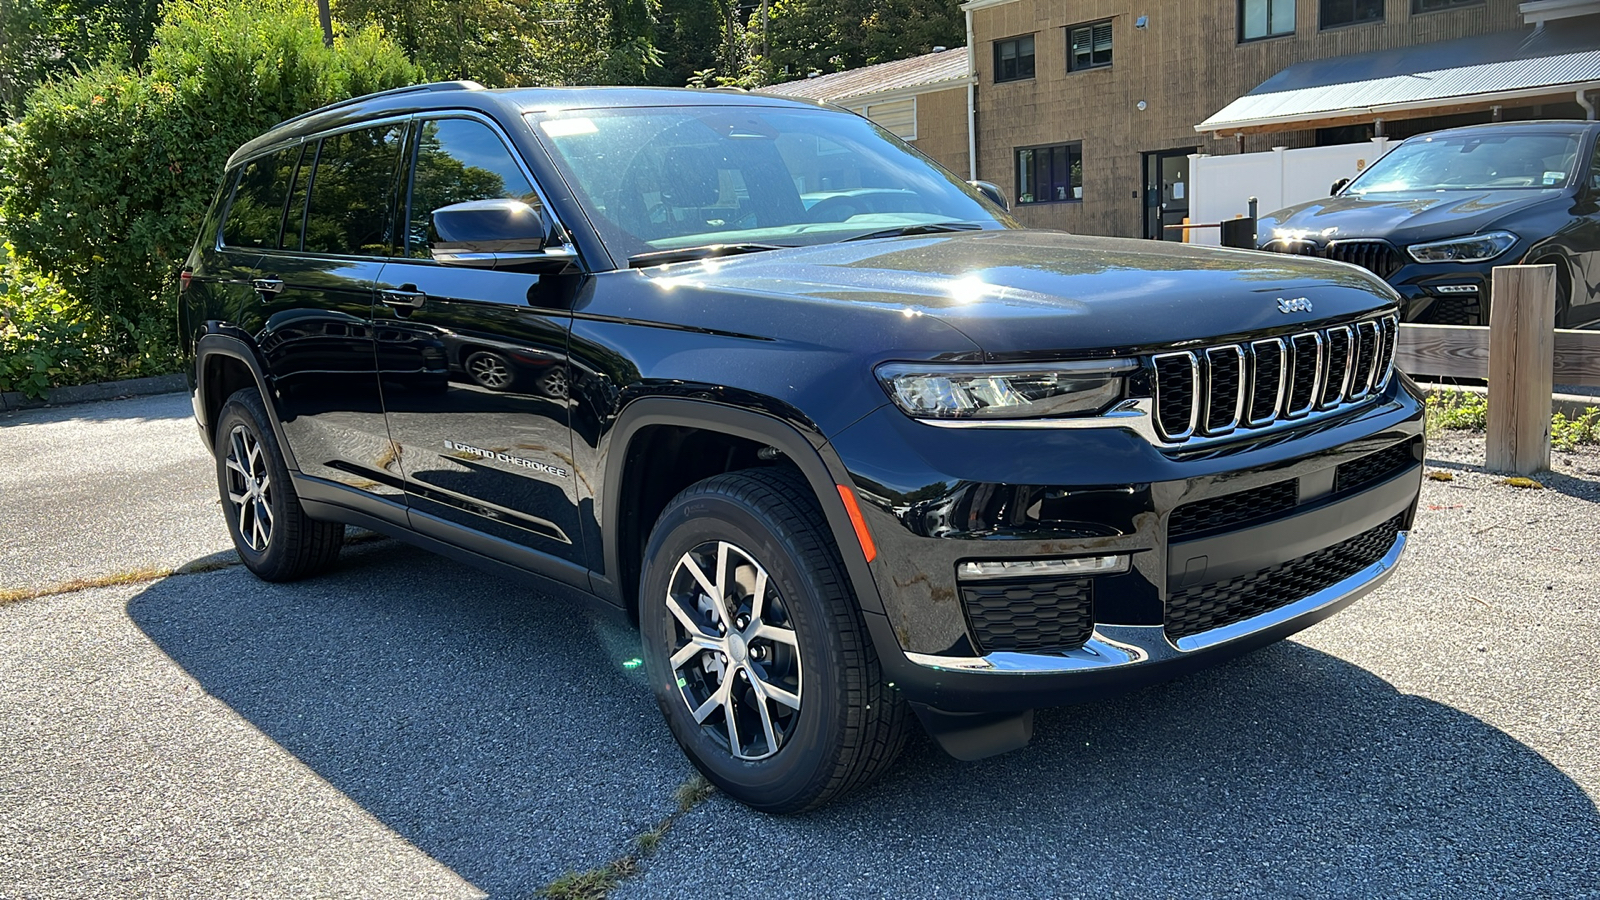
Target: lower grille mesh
(1375, 467)
(1204, 607)
(1256, 504)
(1044, 614)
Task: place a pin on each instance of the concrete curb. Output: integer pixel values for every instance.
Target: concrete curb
(87, 393)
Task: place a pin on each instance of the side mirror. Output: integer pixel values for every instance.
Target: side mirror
(493, 234)
(1337, 187)
(992, 191)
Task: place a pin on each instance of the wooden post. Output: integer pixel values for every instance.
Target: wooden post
(1522, 316)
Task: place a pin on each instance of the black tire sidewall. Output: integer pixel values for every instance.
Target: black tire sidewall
(237, 411)
(808, 756)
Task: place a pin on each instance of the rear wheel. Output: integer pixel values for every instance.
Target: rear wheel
(490, 370)
(755, 646)
(275, 538)
(1563, 290)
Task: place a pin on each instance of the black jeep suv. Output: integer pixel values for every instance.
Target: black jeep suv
(846, 442)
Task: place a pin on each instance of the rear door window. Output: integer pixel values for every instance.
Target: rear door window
(255, 216)
(459, 160)
(352, 187)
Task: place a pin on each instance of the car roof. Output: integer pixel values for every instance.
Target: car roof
(509, 102)
(1530, 126)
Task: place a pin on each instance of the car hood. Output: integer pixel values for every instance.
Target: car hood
(1400, 218)
(1021, 294)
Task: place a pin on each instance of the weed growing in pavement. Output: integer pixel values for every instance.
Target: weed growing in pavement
(1567, 434)
(596, 883)
(137, 576)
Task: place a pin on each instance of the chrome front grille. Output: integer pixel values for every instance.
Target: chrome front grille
(1246, 386)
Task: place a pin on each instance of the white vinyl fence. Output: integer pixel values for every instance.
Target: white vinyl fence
(1222, 186)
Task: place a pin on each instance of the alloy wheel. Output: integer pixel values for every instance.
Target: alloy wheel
(735, 655)
(249, 488)
(489, 370)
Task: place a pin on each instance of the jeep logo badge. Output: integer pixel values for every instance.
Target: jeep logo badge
(1298, 304)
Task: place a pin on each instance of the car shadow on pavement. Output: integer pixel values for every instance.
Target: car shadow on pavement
(1286, 773)
(502, 733)
(510, 737)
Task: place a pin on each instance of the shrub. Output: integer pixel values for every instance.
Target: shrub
(104, 179)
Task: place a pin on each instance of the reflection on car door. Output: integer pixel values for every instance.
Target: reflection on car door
(489, 447)
(316, 290)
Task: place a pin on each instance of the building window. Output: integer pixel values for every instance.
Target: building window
(1013, 59)
(1050, 174)
(1350, 12)
(1089, 46)
(1423, 6)
(1265, 18)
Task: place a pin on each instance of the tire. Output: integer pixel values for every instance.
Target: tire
(275, 538)
(813, 648)
(490, 370)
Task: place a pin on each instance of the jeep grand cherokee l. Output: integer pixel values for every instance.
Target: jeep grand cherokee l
(850, 446)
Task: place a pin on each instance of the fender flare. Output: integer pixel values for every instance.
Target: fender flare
(812, 456)
(214, 344)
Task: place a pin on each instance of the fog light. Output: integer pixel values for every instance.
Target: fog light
(1031, 568)
(1456, 288)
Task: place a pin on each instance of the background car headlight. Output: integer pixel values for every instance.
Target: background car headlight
(1006, 392)
(1472, 248)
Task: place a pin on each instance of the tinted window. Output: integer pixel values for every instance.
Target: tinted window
(257, 208)
(295, 219)
(348, 205)
(459, 160)
(1473, 162)
(1350, 12)
(1013, 59)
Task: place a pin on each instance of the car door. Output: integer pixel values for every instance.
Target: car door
(316, 289)
(1585, 245)
(488, 448)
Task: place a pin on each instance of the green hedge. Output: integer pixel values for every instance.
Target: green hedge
(104, 178)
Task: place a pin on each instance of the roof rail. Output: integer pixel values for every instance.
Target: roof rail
(429, 88)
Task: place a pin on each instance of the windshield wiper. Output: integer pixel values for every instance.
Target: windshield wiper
(685, 254)
(926, 228)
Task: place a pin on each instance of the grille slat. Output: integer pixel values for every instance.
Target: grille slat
(1029, 616)
(1204, 607)
(1230, 387)
(1377, 257)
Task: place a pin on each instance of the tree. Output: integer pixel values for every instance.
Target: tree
(41, 39)
(833, 35)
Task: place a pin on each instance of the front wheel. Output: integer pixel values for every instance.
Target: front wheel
(755, 646)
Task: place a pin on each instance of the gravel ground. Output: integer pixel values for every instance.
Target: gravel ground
(407, 727)
(103, 488)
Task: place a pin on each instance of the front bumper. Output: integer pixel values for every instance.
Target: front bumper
(1116, 494)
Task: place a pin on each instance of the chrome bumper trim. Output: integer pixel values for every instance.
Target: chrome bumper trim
(1119, 646)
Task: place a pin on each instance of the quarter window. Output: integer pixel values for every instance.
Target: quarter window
(1089, 46)
(1050, 174)
(1013, 59)
(347, 205)
(256, 213)
(458, 160)
(1265, 18)
(1350, 12)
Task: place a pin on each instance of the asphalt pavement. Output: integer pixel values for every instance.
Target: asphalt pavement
(408, 727)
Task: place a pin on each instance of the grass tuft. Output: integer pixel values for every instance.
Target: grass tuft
(596, 884)
(1436, 475)
(1469, 411)
(136, 576)
(693, 792)
(591, 885)
(1517, 481)
(1567, 434)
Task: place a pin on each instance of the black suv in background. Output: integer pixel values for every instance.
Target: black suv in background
(1437, 213)
(845, 442)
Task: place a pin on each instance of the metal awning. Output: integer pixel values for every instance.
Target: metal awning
(1446, 76)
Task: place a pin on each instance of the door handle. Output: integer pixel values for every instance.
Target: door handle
(407, 297)
(269, 285)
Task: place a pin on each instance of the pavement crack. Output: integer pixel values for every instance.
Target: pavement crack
(599, 882)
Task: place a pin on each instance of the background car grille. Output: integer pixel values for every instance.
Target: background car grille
(1377, 257)
(1044, 614)
(1328, 368)
(1204, 607)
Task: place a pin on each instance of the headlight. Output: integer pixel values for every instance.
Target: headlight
(1473, 248)
(1006, 392)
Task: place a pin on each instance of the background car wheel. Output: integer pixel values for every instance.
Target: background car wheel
(755, 646)
(1563, 290)
(275, 538)
(554, 383)
(490, 370)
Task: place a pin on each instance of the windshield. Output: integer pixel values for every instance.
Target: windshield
(1473, 163)
(655, 179)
